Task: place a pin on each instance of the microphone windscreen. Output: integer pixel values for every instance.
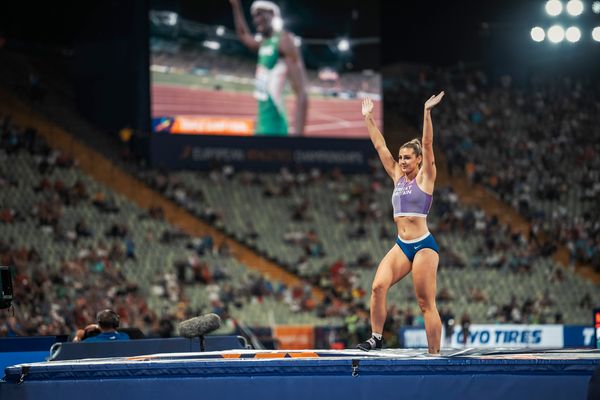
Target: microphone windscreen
(199, 326)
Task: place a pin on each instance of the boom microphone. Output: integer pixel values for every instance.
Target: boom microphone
(199, 326)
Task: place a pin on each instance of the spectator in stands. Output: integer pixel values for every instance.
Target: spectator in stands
(108, 322)
(87, 332)
(586, 301)
(465, 325)
(447, 317)
(414, 178)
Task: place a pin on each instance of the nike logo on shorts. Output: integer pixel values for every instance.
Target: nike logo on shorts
(418, 247)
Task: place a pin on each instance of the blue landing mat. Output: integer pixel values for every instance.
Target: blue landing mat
(310, 374)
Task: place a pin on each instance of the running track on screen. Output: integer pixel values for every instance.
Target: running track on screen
(326, 117)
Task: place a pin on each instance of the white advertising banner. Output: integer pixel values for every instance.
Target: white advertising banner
(511, 336)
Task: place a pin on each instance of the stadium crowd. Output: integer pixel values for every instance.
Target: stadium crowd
(59, 294)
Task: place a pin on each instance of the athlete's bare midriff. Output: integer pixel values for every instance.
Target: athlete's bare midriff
(410, 228)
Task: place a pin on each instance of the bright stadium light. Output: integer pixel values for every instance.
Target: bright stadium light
(575, 7)
(297, 41)
(277, 24)
(220, 30)
(596, 34)
(171, 19)
(538, 34)
(573, 34)
(556, 34)
(596, 7)
(554, 7)
(211, 44)
(343, 45)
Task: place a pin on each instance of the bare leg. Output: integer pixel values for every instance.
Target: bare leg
(424, 278)
(393, 267)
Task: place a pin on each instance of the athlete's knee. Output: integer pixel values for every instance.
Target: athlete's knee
(379, 288)
(426, 303)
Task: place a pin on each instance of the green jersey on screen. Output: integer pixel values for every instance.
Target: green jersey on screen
(271, 73)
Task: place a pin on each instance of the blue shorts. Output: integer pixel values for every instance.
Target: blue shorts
(411, 247)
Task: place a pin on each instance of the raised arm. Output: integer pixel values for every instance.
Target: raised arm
(429, 170)
(241, 27)
(378, 141)
(297, 74)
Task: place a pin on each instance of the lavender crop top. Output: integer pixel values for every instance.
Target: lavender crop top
(409, 200)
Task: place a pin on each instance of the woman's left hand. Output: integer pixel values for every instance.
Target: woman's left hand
(433, 101)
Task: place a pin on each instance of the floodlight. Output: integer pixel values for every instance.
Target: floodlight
(211, 44)
(574, 7)
(556, 34)
(277, 24)
(538, 34)
(573, 34)
(554, 7)
(596, 34)
(343, 45)
(596, 7)
(220, 30)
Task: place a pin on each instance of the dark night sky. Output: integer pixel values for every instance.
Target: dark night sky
(448, 31)
(410, 29)
(430, 32)
(435, 32)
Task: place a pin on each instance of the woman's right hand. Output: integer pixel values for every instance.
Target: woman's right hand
(367, 107)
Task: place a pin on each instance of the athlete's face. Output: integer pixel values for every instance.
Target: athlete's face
(262, 20)
(408, 160)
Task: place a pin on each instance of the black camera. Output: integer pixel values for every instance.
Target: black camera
(6, 295)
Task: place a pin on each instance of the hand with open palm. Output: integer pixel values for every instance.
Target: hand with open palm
(434, 100)
(367, 107)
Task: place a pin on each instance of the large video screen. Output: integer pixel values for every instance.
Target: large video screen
(262, 68)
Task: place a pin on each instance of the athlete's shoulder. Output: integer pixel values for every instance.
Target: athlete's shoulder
(286, 41)
(398, 176)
